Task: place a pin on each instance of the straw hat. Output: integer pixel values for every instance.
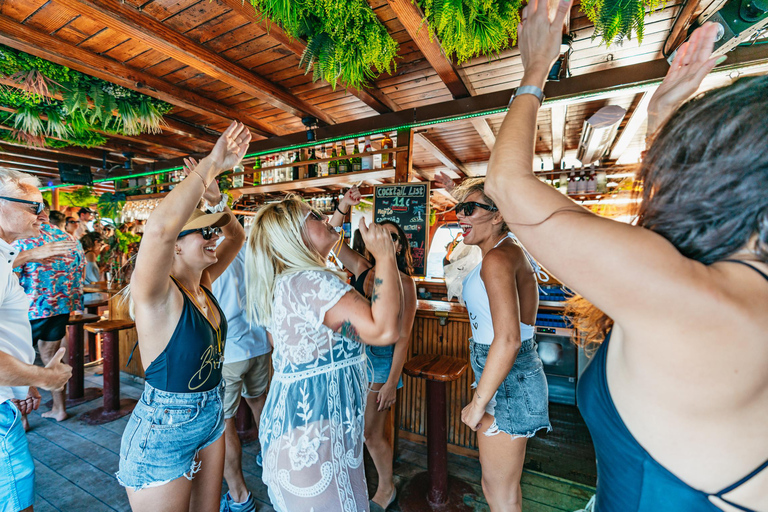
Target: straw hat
(198, 220)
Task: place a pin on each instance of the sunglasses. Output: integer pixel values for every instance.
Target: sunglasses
(208, 232)
(72, 222)
(38, 207)
(467, 209)
(394, 237)
(319, 217)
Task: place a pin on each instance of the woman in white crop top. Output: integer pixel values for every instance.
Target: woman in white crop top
(501, 295)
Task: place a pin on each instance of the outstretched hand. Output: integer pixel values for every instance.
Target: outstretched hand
(692, 63)
(445, 181)
(231, 147)
(539, 38)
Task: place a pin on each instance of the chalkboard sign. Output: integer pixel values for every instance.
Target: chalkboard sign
(408, 206)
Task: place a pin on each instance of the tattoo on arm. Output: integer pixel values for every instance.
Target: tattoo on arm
(376, 283)
(348, 330)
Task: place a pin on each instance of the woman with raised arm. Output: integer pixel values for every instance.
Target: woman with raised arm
(311, 430)
(172, 451)
(385, 366)
(510, 403)
(676, 395)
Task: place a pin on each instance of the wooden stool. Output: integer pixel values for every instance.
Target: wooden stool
(77, 393)
(113, 408)
(247, 430)
(92, 307)
(430, 490)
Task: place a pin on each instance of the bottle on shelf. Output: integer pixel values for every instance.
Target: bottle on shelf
(343, 164)
(581, 184)
(357, 163)
(367, 161)
(295, 170)
(386, 158)
(333, 165)
(322, 167)
(237, 181)
(591, 183)
(571, 189)
(563, 183)
(601, 182)
(312, 168)
(257, 173)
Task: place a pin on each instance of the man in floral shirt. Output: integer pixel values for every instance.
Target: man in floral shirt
(50, 269)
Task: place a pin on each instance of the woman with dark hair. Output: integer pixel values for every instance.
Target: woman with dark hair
(92, 245)
(385, 366)
(676, 395)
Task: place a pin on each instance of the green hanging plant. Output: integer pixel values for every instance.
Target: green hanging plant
(110, 205)
(345, 40)
(616, 20)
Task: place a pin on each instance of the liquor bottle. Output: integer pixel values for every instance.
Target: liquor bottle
(367, 161)
(312, 168)
(571, 183)
(357, 162)
(333, 165)
(563, 183)
(386, 158)
(295, 169)
(581, 185)
(343, 164)
(257, 172)
(323, 166)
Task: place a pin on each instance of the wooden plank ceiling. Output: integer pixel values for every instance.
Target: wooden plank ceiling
(215, 59)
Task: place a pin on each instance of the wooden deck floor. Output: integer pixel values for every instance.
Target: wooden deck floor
(75, 466)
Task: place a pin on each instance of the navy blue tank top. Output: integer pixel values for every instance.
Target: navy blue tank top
(629, 479)
(190, 362)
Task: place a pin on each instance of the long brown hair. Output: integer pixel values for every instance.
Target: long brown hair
(704, 183)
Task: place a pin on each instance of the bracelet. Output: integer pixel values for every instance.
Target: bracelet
(341, 212)
(527, 89)
(201, 177)
(217, 208)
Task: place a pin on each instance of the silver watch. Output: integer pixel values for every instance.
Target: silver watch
(527, 89)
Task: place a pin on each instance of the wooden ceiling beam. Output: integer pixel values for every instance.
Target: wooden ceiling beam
(558, 113)
(47, 155)
(40, 44)
(371, 96)
(484, 130)
(127, 19)
(31, 162)
(410, 15)
(441, 153)
(636, 120)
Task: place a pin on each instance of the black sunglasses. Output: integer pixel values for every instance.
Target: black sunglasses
(208, 232)
(72, 222)
(39, 207)
(467, 209)
(315, 215)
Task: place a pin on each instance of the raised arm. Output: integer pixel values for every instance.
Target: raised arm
(352, 260)
(153, 263)
(377, 322)
(590, 254)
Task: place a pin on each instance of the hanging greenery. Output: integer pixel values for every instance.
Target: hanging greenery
(82, 197)
(616, 20)
(345, 41)
(33, 115)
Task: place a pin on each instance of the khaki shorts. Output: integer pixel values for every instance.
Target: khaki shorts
(247, 378)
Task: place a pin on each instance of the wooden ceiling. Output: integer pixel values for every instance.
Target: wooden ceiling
(215, 60)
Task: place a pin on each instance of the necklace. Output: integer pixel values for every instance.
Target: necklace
(217, 330)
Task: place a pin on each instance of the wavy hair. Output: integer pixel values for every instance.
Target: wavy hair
(278, 245)
(704, 181)
(470, 186)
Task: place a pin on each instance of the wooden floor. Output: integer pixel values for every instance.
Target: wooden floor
(75, 466)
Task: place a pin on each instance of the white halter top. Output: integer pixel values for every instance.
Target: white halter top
(475, 298)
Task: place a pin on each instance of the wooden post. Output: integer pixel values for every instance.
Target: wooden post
(404, 162)
(55, 199)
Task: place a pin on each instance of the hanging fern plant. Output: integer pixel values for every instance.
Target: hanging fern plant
(616, 20)
(345, 41)
(87, 105)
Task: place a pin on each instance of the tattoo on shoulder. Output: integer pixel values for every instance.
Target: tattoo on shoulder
(376, 283)
(348, 331)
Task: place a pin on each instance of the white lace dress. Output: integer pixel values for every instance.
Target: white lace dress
(311, 430)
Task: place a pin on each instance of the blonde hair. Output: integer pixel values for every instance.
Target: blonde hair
(276, 246)
(469, 187)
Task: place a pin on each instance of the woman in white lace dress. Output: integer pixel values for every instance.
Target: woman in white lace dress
(311, 430)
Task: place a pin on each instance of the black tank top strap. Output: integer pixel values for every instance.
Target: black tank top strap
(360, 281)
(740, 262)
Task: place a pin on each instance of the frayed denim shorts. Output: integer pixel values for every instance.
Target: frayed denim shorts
(165, 433)
(520, 406)
(379, 364)
(17, 469)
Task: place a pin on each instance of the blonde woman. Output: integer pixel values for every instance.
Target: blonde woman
(311, 430)
(172, 450)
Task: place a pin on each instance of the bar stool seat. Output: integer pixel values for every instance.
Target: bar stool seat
(113, 407)
(434, 489)
(77, 393)
(92, 307)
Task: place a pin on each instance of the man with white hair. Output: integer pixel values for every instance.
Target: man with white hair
(21, 214)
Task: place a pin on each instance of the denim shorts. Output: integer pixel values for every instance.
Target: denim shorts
(17, 470)
(379, 364)
(520, 406)
(164, 434)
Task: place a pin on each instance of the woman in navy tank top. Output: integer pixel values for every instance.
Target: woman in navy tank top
(677, 403)
(172, 450)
